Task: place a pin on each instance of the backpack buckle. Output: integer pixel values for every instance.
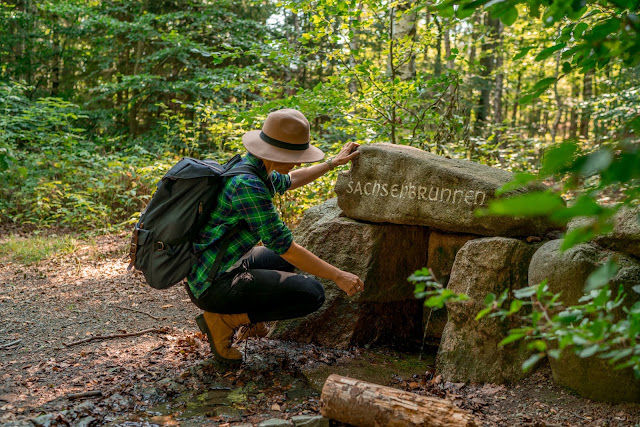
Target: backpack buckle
(133, 248)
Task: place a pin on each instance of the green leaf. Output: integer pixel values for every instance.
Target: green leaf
(602, 275)
(526, 99)
(509, 16)
(544, 83)
(545, 53)
(585, 205)
(525, 205)
(558, 158)
(555, 353)
(527, 292)
(567, 317)
(445, 10)
(538, 345)
(520, 180)
(597, 162)
(576, 236)
(483, 313)
(531, 361)
(589, 351)
(465, 11)
(515, 306)
(579, 29)
(511, 338)
(522, 52)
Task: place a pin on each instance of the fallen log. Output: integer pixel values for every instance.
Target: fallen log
(360, 403)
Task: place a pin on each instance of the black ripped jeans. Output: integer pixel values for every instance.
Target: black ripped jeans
(264, 287)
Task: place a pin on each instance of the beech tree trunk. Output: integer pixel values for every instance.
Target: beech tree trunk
(360, 403)
(403, 30)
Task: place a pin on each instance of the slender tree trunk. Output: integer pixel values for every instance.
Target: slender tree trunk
(447, 46)
(514, 112)
(437, 65)
(354, 45)
(497, 94)
(133, 102)
(401, 62)
(573, 119)
(586, 98)
(392, 73)
(487, 61)
(474, 37)
(403, 34)
(559, 106)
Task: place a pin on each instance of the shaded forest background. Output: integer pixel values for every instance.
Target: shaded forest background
(99, 98)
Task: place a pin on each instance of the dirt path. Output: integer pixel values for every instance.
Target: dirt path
(166, 377)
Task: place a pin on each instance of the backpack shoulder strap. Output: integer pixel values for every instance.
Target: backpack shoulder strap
(226, 239)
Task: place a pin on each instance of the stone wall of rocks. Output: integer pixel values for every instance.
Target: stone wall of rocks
(400, 209)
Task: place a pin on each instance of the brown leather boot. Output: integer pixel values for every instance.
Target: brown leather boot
(258, 330)
(219, 330)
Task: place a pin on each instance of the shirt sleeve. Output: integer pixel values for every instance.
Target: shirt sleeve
(281, 183)
(251, 199)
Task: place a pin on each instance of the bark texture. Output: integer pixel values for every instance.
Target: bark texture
(360, 403)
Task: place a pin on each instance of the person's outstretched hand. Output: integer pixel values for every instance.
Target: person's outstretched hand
(349, 283)
(347, 153)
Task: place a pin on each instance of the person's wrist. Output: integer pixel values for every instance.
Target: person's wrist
(336, 275)
(330, 163)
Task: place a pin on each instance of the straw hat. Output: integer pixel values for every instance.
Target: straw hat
(284, 138)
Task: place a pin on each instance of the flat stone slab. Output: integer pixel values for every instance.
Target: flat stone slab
(405, 185)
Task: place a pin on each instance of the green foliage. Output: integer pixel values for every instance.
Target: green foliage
(34, 249)
(436, 295)
(588, 329)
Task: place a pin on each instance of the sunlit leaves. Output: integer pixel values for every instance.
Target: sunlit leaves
(529, 204)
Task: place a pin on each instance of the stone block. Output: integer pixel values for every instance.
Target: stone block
(443, 248)
(310, 421)
(567, 272)
(405, 185)
(383, 256)
(275, 422)
(469, 349)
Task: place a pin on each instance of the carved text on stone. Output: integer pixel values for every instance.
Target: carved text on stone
(412, 191)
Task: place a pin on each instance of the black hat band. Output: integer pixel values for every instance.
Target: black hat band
(282, 144)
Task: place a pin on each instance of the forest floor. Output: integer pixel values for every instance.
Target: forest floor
(165, 376)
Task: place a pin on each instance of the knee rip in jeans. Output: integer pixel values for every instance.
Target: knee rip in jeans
(245, 276)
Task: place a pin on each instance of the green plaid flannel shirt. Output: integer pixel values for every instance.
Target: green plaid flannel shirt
(243, 198)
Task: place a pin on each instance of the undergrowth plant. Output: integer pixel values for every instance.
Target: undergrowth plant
(36, 248)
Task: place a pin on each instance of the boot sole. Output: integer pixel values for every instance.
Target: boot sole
(204, 328)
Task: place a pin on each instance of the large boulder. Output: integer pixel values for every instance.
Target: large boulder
(625, 236)
(566, 272)
(383, 256)
(469, 349)
(405, 185)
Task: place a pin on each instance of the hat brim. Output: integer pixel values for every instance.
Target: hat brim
(256, 146)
